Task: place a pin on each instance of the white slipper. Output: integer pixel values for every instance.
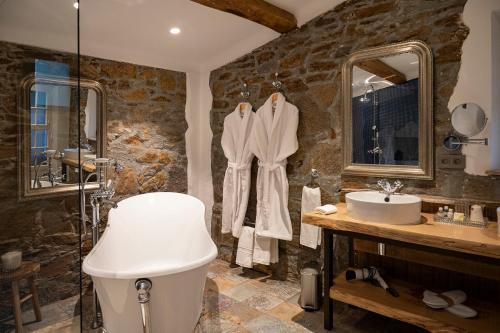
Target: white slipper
(461, 310)
(431, 299)
(457, 296)
(444, 300)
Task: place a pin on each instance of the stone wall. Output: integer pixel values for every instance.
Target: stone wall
(309, 62)
(146, 126)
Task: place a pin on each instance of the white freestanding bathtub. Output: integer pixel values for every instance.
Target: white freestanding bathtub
(162, 237)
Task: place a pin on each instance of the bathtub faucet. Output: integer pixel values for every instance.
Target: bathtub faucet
(143, 287)
(98, 198)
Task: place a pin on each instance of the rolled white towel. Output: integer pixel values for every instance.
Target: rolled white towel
(326, 209)
(244, 253)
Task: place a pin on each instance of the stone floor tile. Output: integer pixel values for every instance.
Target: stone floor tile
(215, 303)
(282, 289)
(240, 313)
(263, 301)
(220, 284)
(216, 325)
(268, 324)
(235, 277)
(285, 311)
(294, 299)
(217, 268)
(241, 292)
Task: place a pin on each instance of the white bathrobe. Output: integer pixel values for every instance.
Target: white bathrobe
(237, 128)
(273, 139)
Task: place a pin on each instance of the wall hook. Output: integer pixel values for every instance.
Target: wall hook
(277, 83)
(245, 93)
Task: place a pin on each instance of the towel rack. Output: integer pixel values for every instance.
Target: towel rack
(314, 176)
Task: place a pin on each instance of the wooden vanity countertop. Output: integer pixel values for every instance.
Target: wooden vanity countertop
(472, 240)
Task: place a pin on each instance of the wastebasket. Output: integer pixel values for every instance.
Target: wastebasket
(309, 289)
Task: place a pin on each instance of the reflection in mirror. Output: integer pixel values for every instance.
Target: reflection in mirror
(451, 143)
(54, 140)
(468, 119)
(385, 110)
(52, 147)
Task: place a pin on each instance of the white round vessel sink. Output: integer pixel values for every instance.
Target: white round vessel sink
(370, 206)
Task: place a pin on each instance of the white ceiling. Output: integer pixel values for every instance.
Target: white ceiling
(136, 31)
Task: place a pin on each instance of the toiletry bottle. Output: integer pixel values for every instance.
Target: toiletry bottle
(440, 212)
(446, 209)
(450, 213)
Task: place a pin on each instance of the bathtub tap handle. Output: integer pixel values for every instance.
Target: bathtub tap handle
(143, 287)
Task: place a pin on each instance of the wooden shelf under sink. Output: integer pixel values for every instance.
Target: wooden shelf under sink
(408, 307)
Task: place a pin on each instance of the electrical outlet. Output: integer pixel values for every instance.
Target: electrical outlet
(451, 161)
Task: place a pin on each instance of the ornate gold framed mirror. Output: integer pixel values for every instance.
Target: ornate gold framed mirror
(51, 146)
(387, 112)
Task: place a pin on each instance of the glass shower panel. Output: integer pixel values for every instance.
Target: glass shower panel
(38, 39)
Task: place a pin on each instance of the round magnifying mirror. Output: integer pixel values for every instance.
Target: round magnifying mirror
(451, 142)
(468, 119)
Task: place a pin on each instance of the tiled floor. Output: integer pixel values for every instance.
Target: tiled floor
(239, 300)
(58, 317)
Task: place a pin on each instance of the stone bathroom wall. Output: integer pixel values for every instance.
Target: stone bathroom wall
(309, 62)
(145, 132)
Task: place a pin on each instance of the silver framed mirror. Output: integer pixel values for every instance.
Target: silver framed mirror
(468, 119)
(49, 151)
(387, 111)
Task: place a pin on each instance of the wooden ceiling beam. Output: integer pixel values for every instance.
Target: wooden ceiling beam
(383, 70)
(258, 11)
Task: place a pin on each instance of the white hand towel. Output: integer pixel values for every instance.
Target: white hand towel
(265, 250)
(244, 253)
(326, 209)
(310, 235)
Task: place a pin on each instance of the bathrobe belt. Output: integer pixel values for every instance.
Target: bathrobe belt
(234, 169)
(268, 168)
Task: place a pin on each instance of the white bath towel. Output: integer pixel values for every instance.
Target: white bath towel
(265, 250)
(310, 235)
(244, 253)
(326, 209)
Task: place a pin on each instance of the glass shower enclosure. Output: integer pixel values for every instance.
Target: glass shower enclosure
(41, 144)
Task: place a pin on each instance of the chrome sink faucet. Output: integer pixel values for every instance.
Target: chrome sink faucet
(389, 189)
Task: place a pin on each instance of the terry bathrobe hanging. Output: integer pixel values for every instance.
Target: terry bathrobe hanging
(237, 128)
(273, 139)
